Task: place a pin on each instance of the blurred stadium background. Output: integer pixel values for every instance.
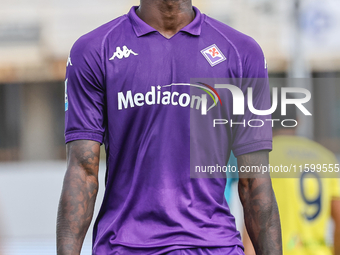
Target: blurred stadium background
(300, 39)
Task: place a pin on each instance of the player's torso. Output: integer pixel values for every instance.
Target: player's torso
(147, 113)
(150, 99)
(149, 80)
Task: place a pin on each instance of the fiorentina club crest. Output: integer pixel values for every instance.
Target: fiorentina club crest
(213, 54)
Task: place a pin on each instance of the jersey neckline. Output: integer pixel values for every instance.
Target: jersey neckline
(141, 28)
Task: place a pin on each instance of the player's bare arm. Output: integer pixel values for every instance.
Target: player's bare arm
(261, 213)
(78, 196)
(335, 211)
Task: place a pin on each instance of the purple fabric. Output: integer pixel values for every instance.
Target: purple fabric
(180, 250)
(233, 250)
(151, 205)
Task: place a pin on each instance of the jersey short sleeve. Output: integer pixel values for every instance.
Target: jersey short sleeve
(253, 132)
(84, 93)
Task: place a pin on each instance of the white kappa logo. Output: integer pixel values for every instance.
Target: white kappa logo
(122, 53)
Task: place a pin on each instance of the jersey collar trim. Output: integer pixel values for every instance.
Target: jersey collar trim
(141, 28)
(195, 26)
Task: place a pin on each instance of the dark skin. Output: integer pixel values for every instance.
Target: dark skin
(335, 212)
(78, 196)
(260, 209)
(166, 16)
(81, 180)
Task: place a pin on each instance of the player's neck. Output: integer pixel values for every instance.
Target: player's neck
(166, 16)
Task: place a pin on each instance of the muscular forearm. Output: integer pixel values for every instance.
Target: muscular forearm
(260, 208)
(78, 198)
(335, 212)
(337, 242)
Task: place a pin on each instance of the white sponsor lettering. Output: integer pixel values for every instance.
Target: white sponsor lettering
(125, 100)
(153, 98)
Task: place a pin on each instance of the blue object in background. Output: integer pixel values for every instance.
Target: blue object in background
(231, 177)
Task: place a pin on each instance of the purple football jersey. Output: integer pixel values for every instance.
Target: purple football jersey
(129, 87)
